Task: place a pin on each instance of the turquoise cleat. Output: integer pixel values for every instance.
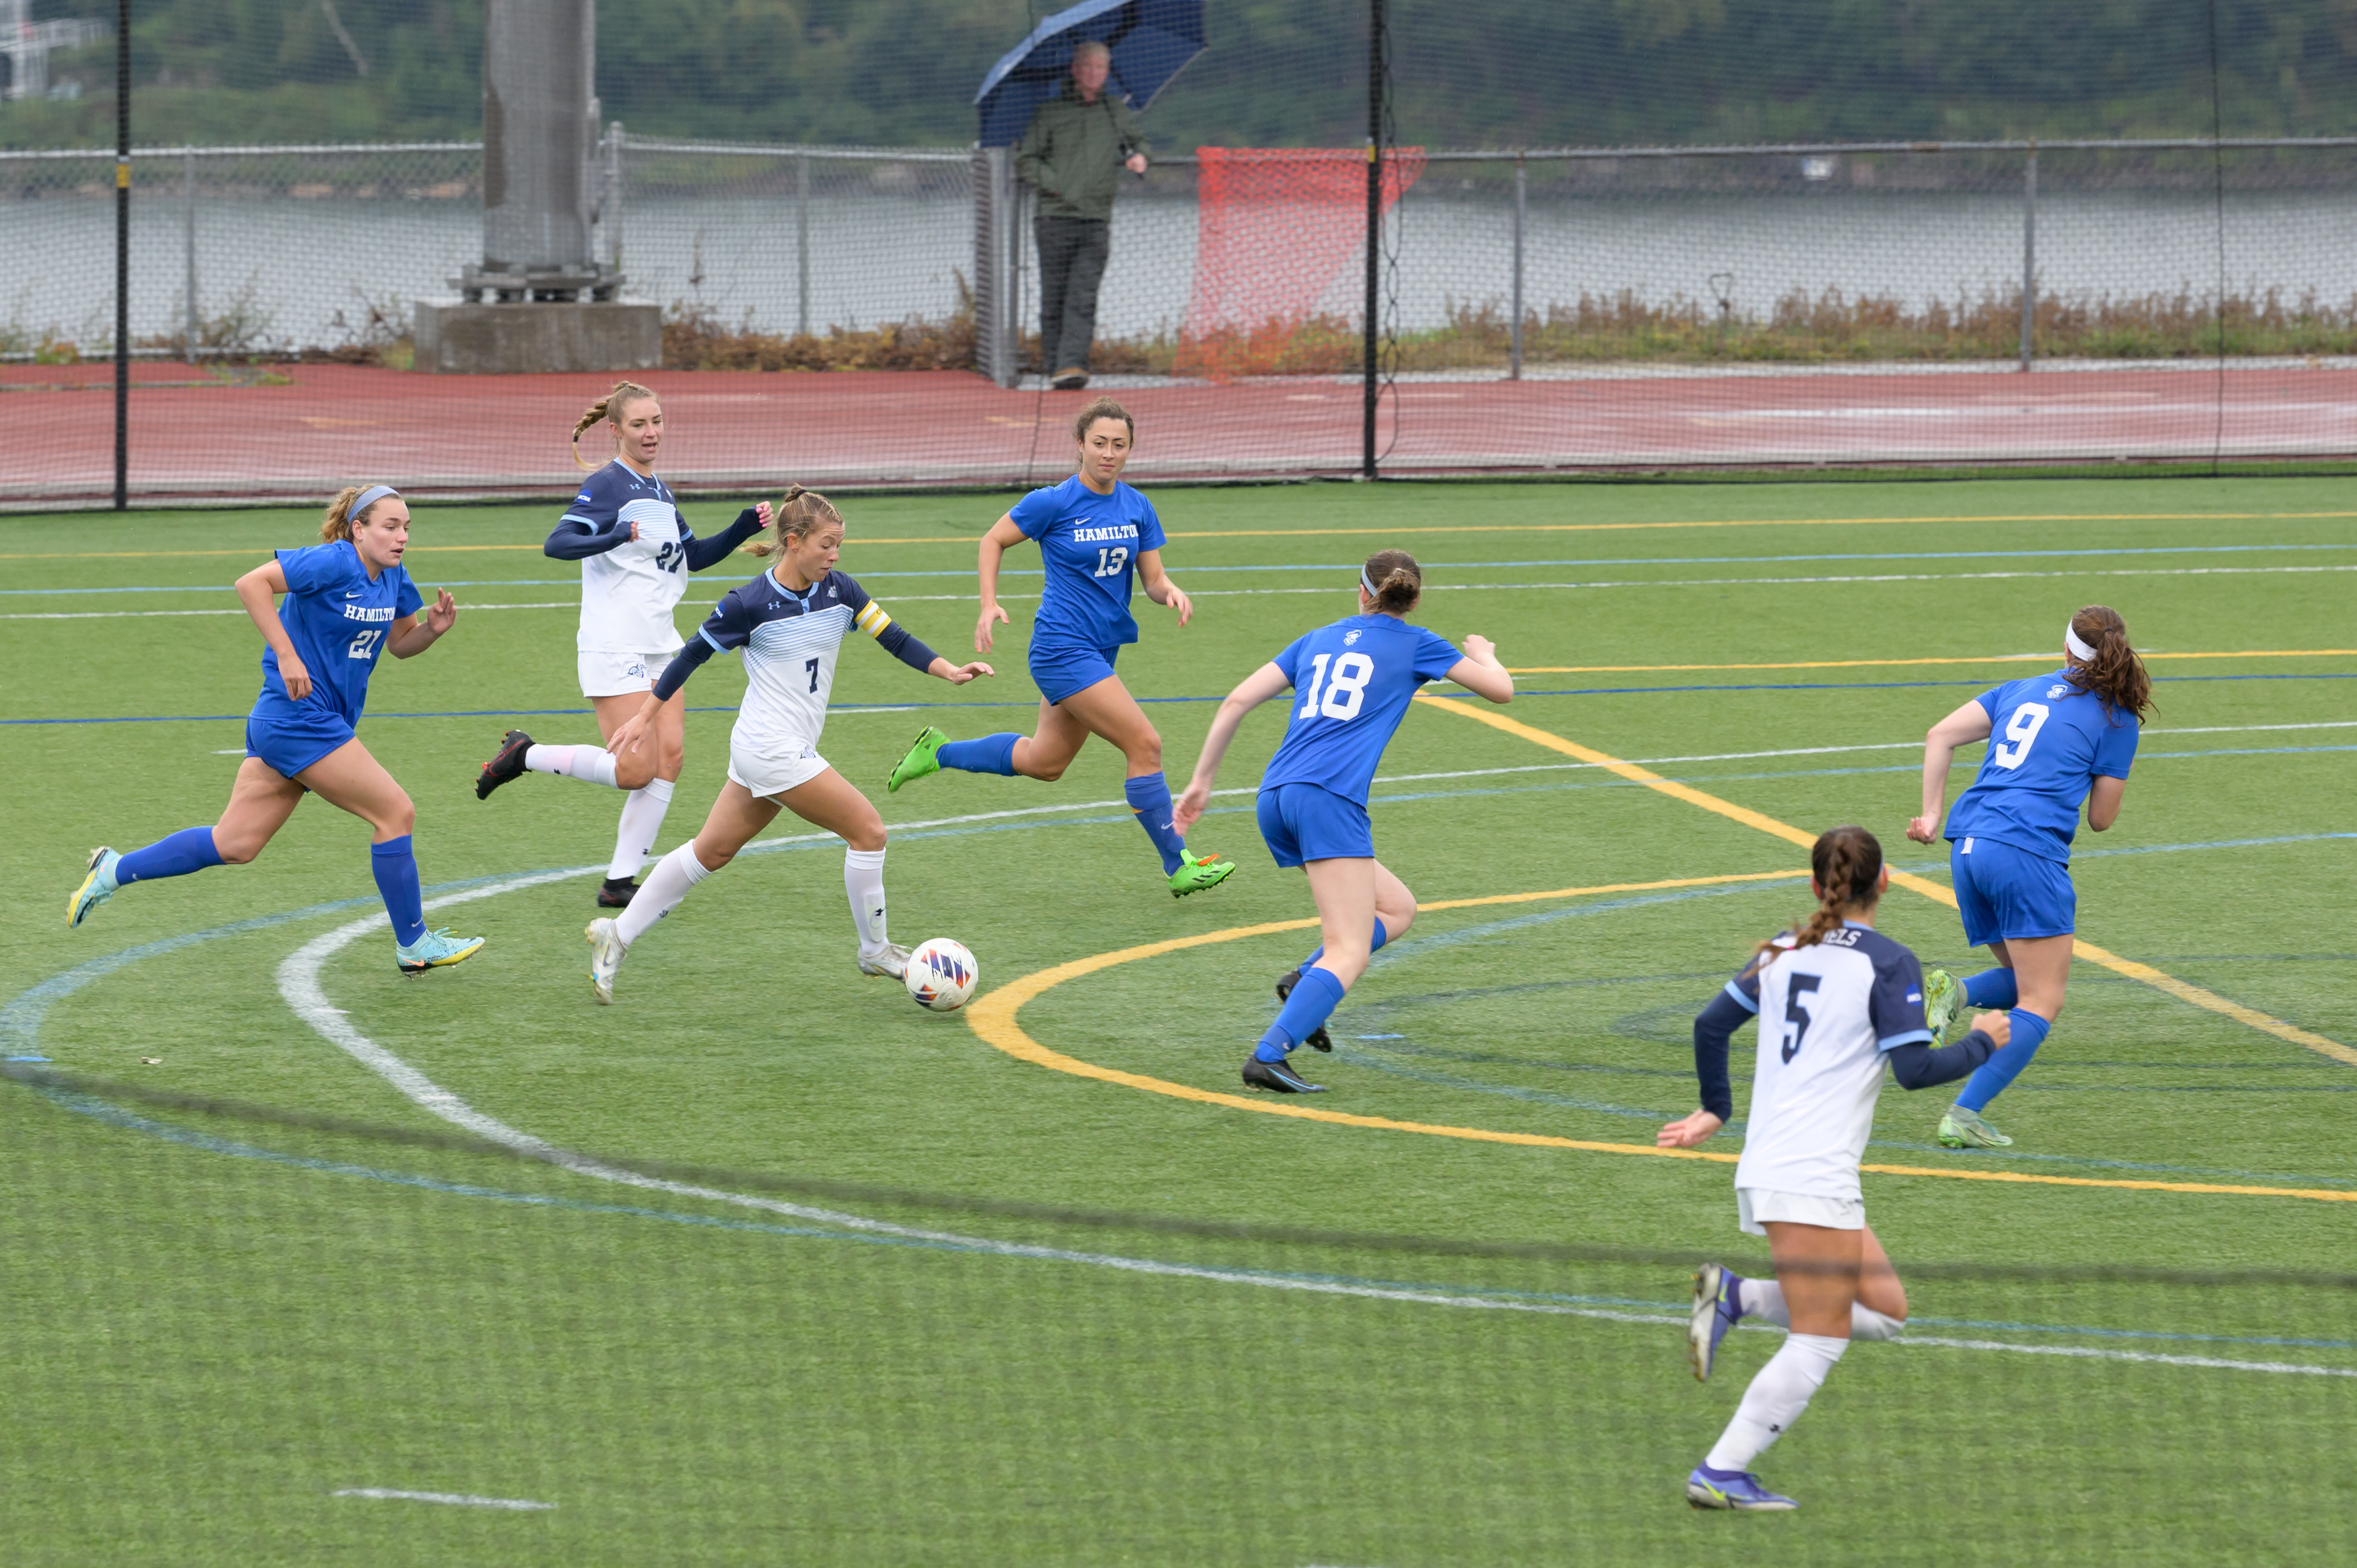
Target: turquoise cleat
(96, 888)
(436, 949)
(1718, 1307)
(1944, 1003)
(1962, 1128)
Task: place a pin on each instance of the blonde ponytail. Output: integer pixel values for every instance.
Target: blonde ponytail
(610, 406)
(800, 511)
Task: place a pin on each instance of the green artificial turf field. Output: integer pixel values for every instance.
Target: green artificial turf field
(219, 1322)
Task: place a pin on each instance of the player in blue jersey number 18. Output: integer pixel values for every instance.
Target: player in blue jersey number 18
(2055, 741)
(1094, 535)
(346, 601)
(1355, 678)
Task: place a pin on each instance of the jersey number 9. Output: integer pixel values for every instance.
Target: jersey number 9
(2020, 732)
(1340, 697)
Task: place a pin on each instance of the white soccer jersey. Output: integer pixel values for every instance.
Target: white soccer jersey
(790, 641)
(1827, 1013)
(630, 589)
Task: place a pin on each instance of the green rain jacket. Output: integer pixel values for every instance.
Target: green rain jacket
(1073, 153)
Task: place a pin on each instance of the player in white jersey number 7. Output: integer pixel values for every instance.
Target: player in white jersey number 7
(790, 621)
(1835, 999)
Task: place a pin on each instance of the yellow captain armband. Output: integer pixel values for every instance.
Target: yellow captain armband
(873, 620)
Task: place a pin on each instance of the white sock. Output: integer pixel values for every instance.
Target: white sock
(643, 817)
(863, 883)
(1777, 1396)
(1764, 1299)
(590, 762)
(665, 886)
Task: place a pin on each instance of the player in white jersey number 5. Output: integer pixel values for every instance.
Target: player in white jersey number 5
(635, 552)
(1835, 1000)
(790, 621)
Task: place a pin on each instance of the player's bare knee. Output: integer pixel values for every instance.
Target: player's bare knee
(398, 818)
(1046, 772)
(237, 851)
(1146, 752)
(867, 838)
(633, 771)
(712, 859)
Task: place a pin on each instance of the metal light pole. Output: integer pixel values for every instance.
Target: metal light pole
(1374, 325)
(122, 254)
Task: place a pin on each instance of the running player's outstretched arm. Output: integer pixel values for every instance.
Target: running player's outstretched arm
(1967, 724)
(1714, 1028)
(1251, 692)
(255, 591)
(1160, 588)
(1004, 535)
(700, 553)
(412, 635)
(901, 643)
(1481, 673)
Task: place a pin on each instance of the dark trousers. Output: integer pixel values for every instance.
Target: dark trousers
(1073, 252)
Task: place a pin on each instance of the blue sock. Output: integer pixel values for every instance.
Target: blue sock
(396, 878)
(991, 753)
(1313, 1001)
(1381, 936)
(1149, 797)
(1990, 1079)
(190, 848)
(1991, 988)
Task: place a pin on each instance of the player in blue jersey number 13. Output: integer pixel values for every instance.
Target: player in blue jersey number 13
(1094, 535)
(1355, 678)
(2056, 740)
(347, 600)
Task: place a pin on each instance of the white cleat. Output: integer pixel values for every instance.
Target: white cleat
(892, 958)
(606, 950)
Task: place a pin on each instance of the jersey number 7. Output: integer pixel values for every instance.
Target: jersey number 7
(1797, 1018)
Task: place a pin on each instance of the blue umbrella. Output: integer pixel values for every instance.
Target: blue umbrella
(1151, 41)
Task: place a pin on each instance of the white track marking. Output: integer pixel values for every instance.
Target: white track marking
(299, 984)
(457, 1499)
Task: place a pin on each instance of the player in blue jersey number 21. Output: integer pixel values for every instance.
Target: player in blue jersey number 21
(1355, 678)
(347, 600)
(1094, 535)
(2056, 740)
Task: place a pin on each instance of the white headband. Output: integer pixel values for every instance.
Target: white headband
(369, 498)
(1368, 587)
(2079, 649)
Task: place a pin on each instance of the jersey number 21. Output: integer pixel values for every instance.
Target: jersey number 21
(1340, 697)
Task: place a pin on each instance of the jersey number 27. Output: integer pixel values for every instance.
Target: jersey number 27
(1340, 697)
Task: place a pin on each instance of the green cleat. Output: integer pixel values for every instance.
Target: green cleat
(1963, 1128)
(1944, 1003)
(96, 888)
(436, 949)
(918, 762)
(1196, 874)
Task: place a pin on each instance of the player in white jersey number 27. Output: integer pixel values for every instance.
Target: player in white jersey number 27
(790, 621)
(1835, 999)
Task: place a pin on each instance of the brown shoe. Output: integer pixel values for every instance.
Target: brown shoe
(1071, 378)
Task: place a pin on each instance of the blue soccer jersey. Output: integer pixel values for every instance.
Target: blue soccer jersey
(1353, 681)
(2049, 742)
(1090, 545)
(338, 619)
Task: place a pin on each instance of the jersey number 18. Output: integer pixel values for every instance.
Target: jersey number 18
(1340, 697)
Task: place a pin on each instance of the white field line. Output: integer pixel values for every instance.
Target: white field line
(1430, 588)
(299, 984)
(457, 1499)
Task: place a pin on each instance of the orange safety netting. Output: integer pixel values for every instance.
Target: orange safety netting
(1275, 226)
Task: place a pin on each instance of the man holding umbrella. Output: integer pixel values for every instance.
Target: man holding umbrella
(1072, 153)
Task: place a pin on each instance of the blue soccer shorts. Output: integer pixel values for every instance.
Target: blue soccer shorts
(290, 736)
(1060, 672)
(1303, 823)
(2002, 892)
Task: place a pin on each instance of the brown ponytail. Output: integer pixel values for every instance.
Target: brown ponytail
(339, 521)
(608, 407)
(1846, 862)
(800, 511)
(2115, 674)
(1396, 580)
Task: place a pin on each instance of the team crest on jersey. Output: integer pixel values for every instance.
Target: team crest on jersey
(2058, 690)
(1349, 638)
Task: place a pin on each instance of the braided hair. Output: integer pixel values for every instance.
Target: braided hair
(610, 406)
(1845, 862)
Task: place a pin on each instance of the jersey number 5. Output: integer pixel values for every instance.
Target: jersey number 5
(363, 644)
(1340, 698)
(1797, 1017)
(2020, 732)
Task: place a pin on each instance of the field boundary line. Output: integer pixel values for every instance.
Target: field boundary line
(1897, 663)
(2183, 991)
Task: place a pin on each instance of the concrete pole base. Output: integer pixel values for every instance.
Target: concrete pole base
(456, 339)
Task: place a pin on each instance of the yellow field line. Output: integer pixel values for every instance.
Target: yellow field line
(1898, 663)
(2081, 947)
(992, 1017)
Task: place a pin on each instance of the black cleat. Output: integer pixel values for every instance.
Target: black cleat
(506, 766)
(1277, 1077)
(1319, 1040)
(616, 891)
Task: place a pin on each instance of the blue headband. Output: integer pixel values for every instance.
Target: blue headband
(367, 498)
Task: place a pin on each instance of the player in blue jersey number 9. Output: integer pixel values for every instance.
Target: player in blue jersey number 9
(1094, 535)
(1355, 678)
(347, 600)
(2056, 740)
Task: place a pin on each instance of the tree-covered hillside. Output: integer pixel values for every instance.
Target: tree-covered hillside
(1279, 72)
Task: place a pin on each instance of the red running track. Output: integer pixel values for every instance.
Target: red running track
(197, 436)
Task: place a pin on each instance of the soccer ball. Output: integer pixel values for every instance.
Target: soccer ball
(940, 975)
